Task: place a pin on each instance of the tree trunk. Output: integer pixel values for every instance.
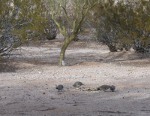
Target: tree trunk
(66, 43)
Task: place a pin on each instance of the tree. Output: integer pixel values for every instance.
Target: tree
(69, 16)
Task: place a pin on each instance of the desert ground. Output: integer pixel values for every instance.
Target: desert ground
(29, 78)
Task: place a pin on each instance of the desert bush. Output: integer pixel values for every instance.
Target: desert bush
(50, 30)
(124, 24)
(22, 21)
(8, 40)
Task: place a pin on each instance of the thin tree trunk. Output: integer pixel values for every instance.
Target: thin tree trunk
(66, 43)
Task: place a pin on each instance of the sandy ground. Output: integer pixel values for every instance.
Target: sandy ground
(27, 86)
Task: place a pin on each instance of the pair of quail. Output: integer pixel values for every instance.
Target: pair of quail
(102, 88)
(76, 85)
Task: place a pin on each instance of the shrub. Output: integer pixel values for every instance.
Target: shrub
(124, 24)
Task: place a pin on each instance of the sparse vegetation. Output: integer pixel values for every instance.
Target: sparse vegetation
(120, 25)
(94, 81)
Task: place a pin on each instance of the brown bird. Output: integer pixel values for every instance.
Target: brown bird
(106, 87)
(77, 84)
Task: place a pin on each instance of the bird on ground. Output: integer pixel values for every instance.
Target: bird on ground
(106, 87)
(59, 87)
(77, 84)
(112, 88)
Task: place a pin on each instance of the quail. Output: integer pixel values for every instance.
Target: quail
(59, 87)
(103, 87)
(112, 88)
(106, 87)
(77, 84)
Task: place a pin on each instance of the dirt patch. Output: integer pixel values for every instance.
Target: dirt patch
(29, 90)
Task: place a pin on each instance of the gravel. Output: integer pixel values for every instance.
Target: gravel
(30, 89)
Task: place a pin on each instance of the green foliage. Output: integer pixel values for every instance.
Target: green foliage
(35, 17)
(69, 14)
(25, 15)
(123, 24)
(24, 20)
